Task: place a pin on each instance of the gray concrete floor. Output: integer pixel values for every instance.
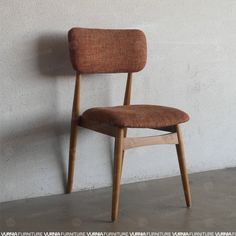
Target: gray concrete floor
(156, 205)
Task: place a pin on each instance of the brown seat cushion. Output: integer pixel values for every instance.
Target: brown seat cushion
(107, 50)
(136, 116)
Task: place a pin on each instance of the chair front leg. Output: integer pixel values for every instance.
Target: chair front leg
(182, 166)
(118, 154)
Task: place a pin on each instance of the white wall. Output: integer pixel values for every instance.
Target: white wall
(191, 65)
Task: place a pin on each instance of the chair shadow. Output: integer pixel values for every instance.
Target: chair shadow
(53, 55)
(54, 61)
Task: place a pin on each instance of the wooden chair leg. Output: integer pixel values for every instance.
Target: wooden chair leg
(182, 166)
(123, 152)
(72, 154)
(117, 173)
(73, 134)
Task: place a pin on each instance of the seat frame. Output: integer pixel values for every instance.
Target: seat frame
(122, 143)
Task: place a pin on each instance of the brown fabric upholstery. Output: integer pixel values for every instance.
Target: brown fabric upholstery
(106, 50)
(136, 116)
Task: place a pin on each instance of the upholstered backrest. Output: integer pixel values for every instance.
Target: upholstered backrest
(107, 50)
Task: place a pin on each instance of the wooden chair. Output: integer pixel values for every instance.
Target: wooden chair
(120, 51)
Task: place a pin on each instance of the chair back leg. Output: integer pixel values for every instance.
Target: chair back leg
(118, 156)
(182, 166)
(73, 133)
(72, 154)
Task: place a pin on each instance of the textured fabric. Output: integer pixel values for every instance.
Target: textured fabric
(136, 116)
(106, 50)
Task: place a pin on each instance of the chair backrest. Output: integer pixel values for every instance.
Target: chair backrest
(107, 50)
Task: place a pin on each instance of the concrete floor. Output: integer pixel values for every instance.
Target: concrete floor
(156, 205)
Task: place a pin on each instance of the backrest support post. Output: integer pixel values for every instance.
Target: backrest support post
(76, 101)
(127, 97)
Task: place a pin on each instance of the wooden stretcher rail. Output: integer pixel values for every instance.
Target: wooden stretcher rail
(150, 140)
